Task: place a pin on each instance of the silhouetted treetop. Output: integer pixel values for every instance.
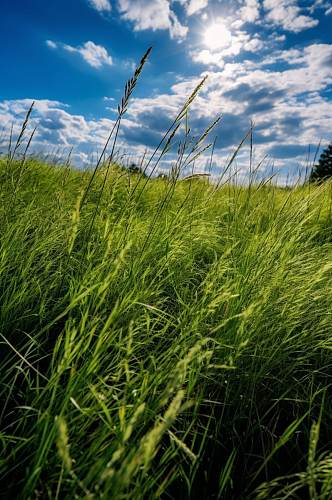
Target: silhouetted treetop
(323, 169)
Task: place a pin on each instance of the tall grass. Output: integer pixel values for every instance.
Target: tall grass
(163, 337)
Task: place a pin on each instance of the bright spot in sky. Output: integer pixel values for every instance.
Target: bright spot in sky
(217, 36)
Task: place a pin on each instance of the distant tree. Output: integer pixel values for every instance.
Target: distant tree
(323, 169)
(135, 169)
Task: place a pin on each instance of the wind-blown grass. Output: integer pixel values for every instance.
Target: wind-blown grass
(183, 350)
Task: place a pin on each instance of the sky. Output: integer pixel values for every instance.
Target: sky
(267, 61)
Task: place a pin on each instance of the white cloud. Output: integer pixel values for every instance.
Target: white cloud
(278, 38)
(19, 107)
(176, 29)
(51, 44)
(93, 54)
(152, 14)
(309, 70)
(193, 6)
(249, 13)
(319, 4)
(209, 58)
(328, 11)
(56, 127)
(288, 15)
(254, 45)
(101, 5)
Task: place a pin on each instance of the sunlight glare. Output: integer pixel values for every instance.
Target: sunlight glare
(217, 36)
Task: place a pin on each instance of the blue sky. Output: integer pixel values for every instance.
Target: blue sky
(269, 61)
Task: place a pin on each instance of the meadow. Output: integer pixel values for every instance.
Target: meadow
(163, 337)
(175, 343)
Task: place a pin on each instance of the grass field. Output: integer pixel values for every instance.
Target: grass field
(162, 337)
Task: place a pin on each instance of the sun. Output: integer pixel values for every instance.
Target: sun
(217, 36)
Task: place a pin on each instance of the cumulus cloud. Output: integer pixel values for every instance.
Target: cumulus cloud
(253, 45)
(288, 15)
(193, 6)
(209, 58)
(196, 6)
(56, 127)
(249, 13)
(101, 5)
(93, 54)
(152, 14)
